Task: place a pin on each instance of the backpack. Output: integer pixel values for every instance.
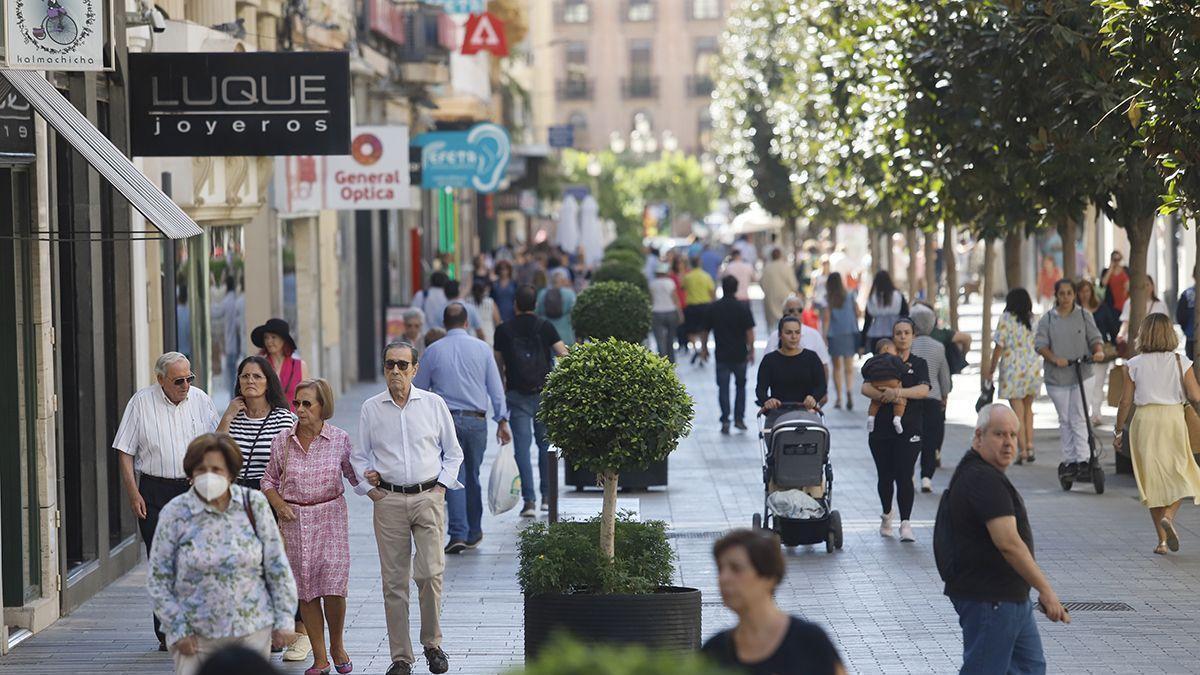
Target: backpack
(943, 537)
(530, 363)
(552, 304)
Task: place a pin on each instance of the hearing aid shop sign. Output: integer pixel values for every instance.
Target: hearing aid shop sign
(55, 34)
(257, 103)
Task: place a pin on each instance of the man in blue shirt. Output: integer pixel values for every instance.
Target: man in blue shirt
(710, 261)
(462, 370)
(1185, 316)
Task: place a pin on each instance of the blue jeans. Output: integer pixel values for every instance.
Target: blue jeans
(522, 417)
(738, 370)
(464, 508)
(999, 637)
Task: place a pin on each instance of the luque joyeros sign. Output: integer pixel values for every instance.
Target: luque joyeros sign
(257, 103)
(475, 158)
(55, 34)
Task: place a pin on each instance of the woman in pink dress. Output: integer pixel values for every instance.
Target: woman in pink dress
(303, 483)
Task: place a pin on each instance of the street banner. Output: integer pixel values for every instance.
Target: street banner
(459, 6)
(256, 103)
(484, 33)
(475, 158)
(373, 176)
(56, 35)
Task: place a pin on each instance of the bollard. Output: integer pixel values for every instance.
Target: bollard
(552, 470)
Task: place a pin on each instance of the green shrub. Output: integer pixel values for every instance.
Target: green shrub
(624, 257)
(563, 558)
(627, 243)
(612, 309)
(614, 271)
(569, 657)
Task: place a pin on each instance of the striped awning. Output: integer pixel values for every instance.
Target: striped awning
(95, 147)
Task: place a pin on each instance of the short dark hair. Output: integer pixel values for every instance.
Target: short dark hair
(452, 288)
(215, 442)
(400, 344)
(761, 546)
(454, 316)
(438, 279)
(729, 284)
(526, 299)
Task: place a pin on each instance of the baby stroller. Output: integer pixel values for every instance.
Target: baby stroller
(796, 457)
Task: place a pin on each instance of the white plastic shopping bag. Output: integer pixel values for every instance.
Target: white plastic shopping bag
(504, 485)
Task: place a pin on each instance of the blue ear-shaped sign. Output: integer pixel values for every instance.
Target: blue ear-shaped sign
(476, 158)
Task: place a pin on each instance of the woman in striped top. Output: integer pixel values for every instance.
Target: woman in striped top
(257, 414)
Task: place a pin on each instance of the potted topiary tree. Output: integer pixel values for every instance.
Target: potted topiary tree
(619, 310)
(609, 406)
(619, 271)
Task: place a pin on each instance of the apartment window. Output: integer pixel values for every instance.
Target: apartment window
(704, 130)
(575, 11)
(640, 66)
(577, 60)
(706, 9)
(700, 83)
(639, 10)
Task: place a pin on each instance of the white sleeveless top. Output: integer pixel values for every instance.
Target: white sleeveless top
(1157, 378)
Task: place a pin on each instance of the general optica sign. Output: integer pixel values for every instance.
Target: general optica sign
(475, 159)
(373, 176)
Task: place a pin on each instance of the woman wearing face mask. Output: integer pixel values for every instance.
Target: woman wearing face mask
(218, 572)
(257, 413)
(766, 640)
(303, 482)
(275, 342)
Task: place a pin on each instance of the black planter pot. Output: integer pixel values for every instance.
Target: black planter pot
(668, 619)
(654, 475)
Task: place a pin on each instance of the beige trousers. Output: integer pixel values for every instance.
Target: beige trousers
(259, 641)
(402, 521)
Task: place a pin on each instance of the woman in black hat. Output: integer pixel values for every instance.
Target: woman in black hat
(274, 339)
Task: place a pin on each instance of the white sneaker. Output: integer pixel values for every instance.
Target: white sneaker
(885, 525)
(906, 533)
(299, 650)
(926, 485)
(529, 510)
(870, 424)
(898, 424)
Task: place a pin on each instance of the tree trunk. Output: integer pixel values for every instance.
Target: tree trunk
(1068, 231)
(985, 348)
(1139, 244)
(931, 285)
(1012, 259)
(877, 253)
(910, 242)
(608, 516)
(948, 254)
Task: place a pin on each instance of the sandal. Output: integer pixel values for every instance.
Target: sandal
(1161, 549)
(1029, 457)
(1172, 537)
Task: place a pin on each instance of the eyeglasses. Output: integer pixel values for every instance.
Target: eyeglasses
(793, 311)
(178, 382)
(303, 404)
(402, 365)
(251, 377)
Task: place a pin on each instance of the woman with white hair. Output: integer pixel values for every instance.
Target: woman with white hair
(924, 321)
(414, 327)
(555, 302)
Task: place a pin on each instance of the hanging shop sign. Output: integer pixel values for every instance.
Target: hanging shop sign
(459, 6)
(56, 35)
(562, 136)
(475, 158)
(257, 103)
(373, 176)
(485, 33)
(16, 128)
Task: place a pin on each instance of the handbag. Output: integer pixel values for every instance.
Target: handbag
(1190, 417)
(1116, 384)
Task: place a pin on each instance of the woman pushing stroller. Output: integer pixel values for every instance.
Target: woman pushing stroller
(789, 375)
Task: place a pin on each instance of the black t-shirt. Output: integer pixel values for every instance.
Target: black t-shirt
(805, 650)
(790, 378)
(916, 372)
(729, 320)
(516, 372)
(980, 492)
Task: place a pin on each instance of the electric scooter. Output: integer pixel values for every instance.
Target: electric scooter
(1094, 474)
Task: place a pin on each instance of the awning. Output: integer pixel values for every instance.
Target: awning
(102, 154)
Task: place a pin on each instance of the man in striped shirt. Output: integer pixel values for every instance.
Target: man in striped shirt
(159, 423)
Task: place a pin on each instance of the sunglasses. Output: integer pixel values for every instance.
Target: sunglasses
(793, 311)
(178, 382)
(303, 404)
(402, 365)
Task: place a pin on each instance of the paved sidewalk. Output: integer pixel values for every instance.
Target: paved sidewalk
(880, 600)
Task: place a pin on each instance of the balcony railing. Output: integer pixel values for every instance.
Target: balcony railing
(700, 86)
(574, 89)
(639, 87)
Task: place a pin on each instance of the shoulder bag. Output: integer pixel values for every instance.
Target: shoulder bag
(1190, 417)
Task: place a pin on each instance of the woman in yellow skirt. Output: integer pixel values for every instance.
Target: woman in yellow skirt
(1158, 381)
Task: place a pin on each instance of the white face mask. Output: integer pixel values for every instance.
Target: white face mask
(210, 485)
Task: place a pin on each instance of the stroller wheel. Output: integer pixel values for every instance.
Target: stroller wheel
(756, 521)
(835, 528)
(1098, 479)
(829, 545)
(1066, 484)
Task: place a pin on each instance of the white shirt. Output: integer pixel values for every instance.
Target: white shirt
(662, 295)
(1156, 376)
(157, 432)
(409, 445)
(811, 340)
(1152, 307)
(747, 249)
(744, 273)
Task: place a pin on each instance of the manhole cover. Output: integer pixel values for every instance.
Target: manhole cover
(1097, 607)
(695, 534)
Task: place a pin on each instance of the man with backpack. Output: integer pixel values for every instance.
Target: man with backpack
(984, 550)
(555, 303)
(525, 350)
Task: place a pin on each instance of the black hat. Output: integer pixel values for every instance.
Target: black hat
(276, 326)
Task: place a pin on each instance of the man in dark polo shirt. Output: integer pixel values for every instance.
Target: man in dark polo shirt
(986, 555)
(732, 328)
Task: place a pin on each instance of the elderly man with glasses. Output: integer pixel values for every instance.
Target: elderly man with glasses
(159, 423)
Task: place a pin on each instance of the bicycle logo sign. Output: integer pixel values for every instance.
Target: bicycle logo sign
(57, 32)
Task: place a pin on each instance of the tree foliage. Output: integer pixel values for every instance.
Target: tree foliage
(615, 309)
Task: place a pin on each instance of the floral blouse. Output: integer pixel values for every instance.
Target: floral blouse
(212, 576)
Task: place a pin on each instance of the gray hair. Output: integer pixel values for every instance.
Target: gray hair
(558, 275)
(165, 361)
(923, 318)
(401, 344)
(413, 313)
(985, 416)
(794, 297)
